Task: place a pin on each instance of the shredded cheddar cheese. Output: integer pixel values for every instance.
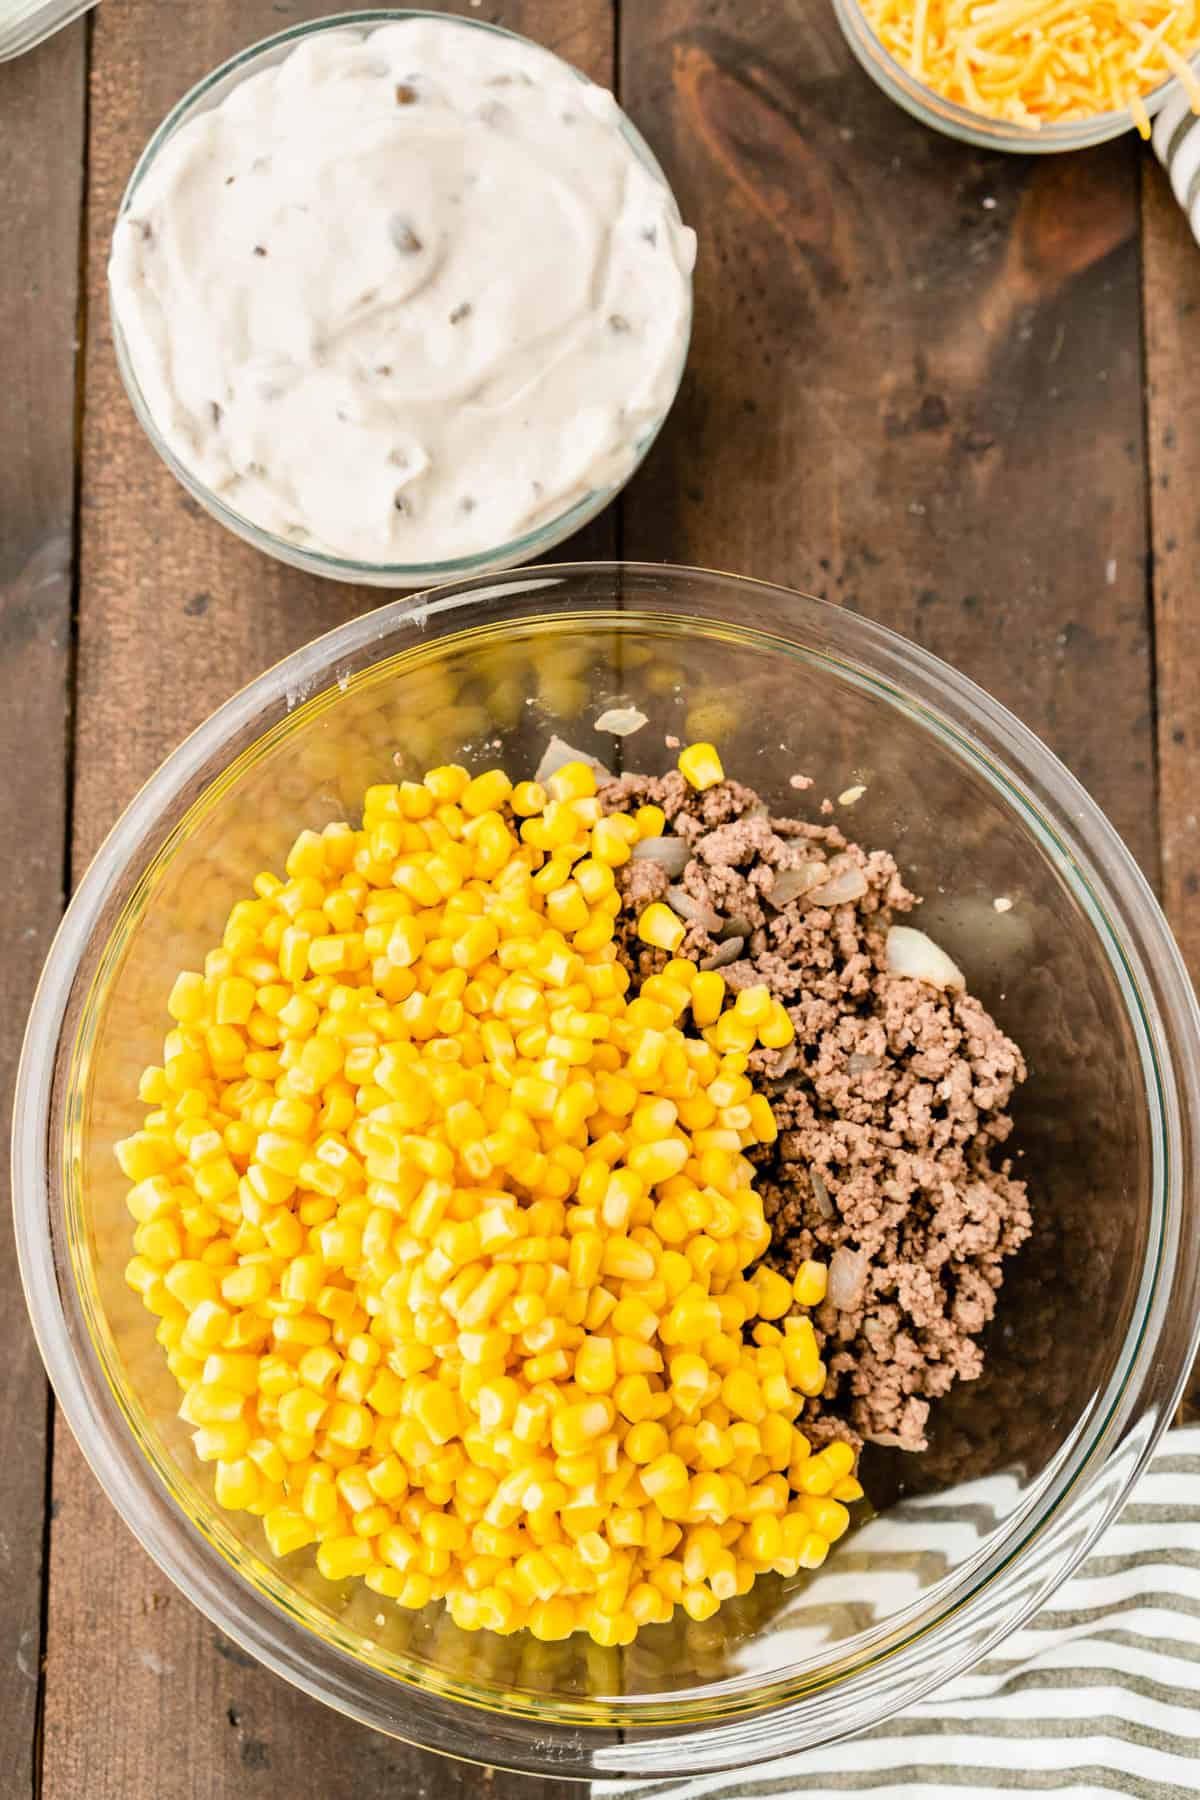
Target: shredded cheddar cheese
(1039, 62)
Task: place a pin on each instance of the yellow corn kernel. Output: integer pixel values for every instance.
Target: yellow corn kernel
(645, 1442)
(246, 1286)
(586, 1258)
(813, 1551)
(301, 1412)
(700, 766)
(777, 1029)
(552, 1619)
(762, 1540)
(708, 996)
(609, 843)
(207, 1326)
(811, 1381)
(810, 1283)
(595, 1365)
(650, 820)
(267, 1459)
(287, 1530)
(485, 793)
(816, 1477)
(753, 1003)
(742, 1394)
(573, 781)
(595, 880)
(665, 1476)
(340, 1557)
(628, 1260)
(240, 1373)
(406, 942)
(662, 928)
(699, 1603)
(528, 798)
(575, 1428)
(838, 1458)
(143, 1156)
(634, 1400)
(774, 1293)
(236, 1484)
(235, 1001)
(636, 1358)
(222, 1442)
(435, 1410)
(188, 999)
(658, 1162)
(208, 1404)
(447, 782)
(732, 1032)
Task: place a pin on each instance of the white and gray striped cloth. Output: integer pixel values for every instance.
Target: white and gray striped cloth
(1176, 140)
(1098, 1696)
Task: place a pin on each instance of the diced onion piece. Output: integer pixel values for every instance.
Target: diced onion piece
(695, 910)
(738, 926)
(845, 884)
(793, 884)
(847, 1278)
(726, 953)
(672, 852)
(622, 721)
(911, 953)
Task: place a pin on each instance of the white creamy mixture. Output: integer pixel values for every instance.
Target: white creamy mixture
(406, 296)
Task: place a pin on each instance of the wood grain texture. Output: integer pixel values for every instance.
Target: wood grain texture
(1171, 268)
(174, 616)
(1171, 300)
(904, 347)
(41, 143)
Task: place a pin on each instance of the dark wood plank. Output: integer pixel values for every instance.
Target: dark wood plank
(41, 170)
(1171, 287)
(1172, 312)
(174, 616)
(903, 348)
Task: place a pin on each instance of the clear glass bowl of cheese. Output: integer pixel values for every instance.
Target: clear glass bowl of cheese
(991, 133)
(1026, 1464)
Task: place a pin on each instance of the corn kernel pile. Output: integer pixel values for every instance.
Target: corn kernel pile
(448, 1235)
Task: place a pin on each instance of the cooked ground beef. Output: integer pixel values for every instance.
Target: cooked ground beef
(891, 1103)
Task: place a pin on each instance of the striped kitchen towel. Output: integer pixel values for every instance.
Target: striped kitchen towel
(1176, 140)
(1098, 1696)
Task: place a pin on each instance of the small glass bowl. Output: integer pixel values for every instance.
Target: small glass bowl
(1099, 1315)
(208, 94)
(955, 121)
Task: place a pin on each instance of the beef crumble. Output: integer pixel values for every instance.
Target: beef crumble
(891, 1102)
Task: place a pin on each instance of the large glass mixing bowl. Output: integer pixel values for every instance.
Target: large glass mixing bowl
(1097, 1321)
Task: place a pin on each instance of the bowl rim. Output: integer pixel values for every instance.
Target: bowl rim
(922, 102)
(1097, 1464)
(527, 544)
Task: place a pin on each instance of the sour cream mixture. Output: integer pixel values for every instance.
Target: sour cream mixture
(404, 296)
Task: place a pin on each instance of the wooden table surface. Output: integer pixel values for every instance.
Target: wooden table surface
(950, 390)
